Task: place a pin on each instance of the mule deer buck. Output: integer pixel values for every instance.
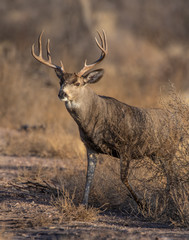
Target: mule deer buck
(108, 126)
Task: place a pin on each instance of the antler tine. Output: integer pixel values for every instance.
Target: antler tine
(62, 66)
(101, 39)
(48, 51)
(105, 40)
(103, 45)
(104, 51)
(49, 56)
(40, 57)
(39, 44)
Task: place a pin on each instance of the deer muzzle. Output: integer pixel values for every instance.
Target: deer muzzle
(62, 96)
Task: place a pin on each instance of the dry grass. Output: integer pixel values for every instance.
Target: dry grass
(52, 142)
(162, 205)
(173, 208)
(37, 219)
(155, 207)
(71, 212)
(49, 185)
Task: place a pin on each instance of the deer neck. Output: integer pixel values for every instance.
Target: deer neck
(84, 106)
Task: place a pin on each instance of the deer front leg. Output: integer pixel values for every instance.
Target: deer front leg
(91, 157)
(124, 170)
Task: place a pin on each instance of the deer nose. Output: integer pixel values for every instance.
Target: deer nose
(62, 95)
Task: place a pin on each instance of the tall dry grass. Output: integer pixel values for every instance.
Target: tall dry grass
(163, 204)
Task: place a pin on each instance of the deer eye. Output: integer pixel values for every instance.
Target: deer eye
(77, 84)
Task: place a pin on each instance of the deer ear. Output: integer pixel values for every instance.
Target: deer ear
(94, 76)
(59, 73)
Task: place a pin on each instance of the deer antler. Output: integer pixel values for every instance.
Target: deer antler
(104, 50)
(40, 57)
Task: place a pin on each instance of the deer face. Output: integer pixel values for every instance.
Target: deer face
(72, 85)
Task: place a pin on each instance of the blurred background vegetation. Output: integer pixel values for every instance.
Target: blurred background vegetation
(148, 46)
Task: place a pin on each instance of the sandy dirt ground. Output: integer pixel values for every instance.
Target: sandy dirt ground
(18, 206)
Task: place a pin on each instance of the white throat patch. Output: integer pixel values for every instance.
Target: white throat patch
(72, 104)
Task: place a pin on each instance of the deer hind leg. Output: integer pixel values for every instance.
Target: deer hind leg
(124, 170)
(91, 156)
(167, 170)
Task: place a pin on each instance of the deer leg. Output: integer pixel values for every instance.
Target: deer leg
(168, 172)
(91, 157)
(124, 170)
